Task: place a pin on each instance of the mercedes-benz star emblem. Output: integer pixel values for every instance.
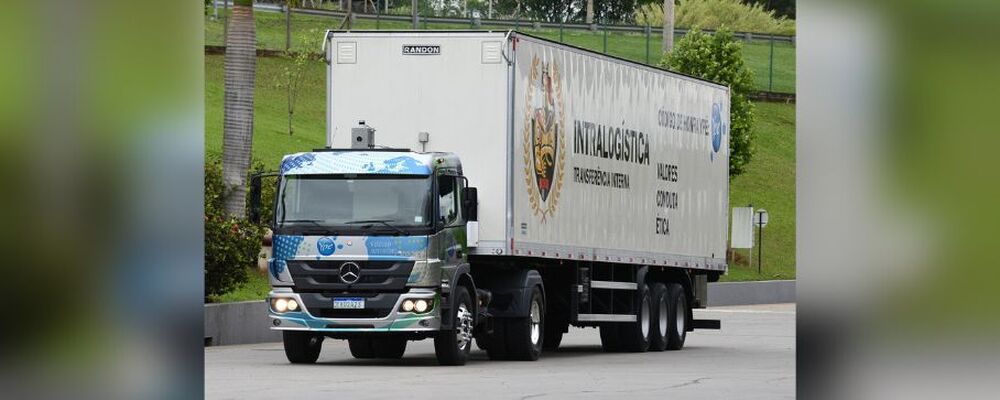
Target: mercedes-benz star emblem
(350, 272)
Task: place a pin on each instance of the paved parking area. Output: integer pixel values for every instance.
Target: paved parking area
(752, 357)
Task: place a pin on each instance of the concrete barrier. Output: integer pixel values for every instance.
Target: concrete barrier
(246, 322)
(238, 323)
(744, 293)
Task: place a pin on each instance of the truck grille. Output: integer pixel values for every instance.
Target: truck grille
(375, 276)
(376, 305)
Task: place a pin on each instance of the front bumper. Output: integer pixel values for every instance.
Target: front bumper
(395, 321)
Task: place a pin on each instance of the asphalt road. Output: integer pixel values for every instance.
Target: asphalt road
(752, 357)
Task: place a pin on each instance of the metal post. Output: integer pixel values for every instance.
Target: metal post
(288, 26)
(378, 18)
(604, 27)
(561, 30)
(760, 245)
(770, 68)
(649, 31)
(225, 21)
(413, 12)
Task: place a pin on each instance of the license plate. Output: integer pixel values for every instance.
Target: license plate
(349, 303)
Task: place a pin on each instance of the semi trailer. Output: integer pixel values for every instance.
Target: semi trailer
(494, 189)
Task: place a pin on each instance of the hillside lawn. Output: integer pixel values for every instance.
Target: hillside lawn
(768, 183)
(632, 46)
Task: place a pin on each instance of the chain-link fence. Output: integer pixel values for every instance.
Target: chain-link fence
(770, 57)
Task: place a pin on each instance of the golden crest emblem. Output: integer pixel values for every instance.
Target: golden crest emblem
(544, 138)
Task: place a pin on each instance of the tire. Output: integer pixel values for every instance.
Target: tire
(520, 339)
(389, 348)
(634, 336)
(553, 337)
(610, 341)
(658, 332)
(526, 336)
(452, 346)
(495, 343)
(677, 317)
(302, 347)
(361, 348)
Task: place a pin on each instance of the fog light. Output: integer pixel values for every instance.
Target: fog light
(421, 306)
(293, 305)
(281, 305)
(408, 305)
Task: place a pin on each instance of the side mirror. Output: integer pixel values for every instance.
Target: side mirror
(253, 214)
(470, 204)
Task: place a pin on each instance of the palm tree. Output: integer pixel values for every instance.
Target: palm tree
(240, 70)
(668, 25)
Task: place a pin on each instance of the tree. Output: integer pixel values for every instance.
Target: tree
(719, 58)
(240, 73)
(590, 12)
(668, 25)
(291, 79)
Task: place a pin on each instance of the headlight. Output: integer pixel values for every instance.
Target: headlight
(421, 305)
(281, 305)
(408, 305)
(293, 305)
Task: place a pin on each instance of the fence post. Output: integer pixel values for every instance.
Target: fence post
(416, 14)
(378, 19)
(649, 31)
(225, 21)
(288, 26)
(561, 31)
(770, 68)
(604, 27)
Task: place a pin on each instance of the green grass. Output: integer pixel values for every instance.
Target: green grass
(632, 46)
(255, 288)
(768, 183)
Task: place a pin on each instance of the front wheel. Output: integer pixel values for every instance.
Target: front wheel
(452, 346)
(302, 347)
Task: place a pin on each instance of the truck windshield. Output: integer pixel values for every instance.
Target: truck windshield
(393, 202)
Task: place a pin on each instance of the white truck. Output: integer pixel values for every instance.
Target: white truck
(547, 186)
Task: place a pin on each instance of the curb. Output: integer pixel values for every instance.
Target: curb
(246, 322)
(746, 293)
(242, 322)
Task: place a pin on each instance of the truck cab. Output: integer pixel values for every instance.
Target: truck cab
(368, 246)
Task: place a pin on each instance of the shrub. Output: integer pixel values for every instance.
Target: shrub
(718, 58)
(718, 14)
(232, 245)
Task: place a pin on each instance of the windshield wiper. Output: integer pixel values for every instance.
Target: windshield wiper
(371, 222)
(321, 231)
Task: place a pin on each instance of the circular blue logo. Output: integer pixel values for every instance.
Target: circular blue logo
(326, 246)
(716, 127)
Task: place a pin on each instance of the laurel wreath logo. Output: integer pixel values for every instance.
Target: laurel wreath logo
(543, 208)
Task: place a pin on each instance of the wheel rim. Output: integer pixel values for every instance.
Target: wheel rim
(536, 322)
(644, 316)
(663, 316)
(463, 329)
(680, 317)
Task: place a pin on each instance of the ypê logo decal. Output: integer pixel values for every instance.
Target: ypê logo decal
(327, 246)
(718, 129)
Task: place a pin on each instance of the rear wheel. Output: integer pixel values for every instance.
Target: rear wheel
(361, 348)
(635, 335)
(302, 347)
(610, 341)
(658, 335)
(676, 317)
(452, 346)
(520, 338)
(390, 348)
